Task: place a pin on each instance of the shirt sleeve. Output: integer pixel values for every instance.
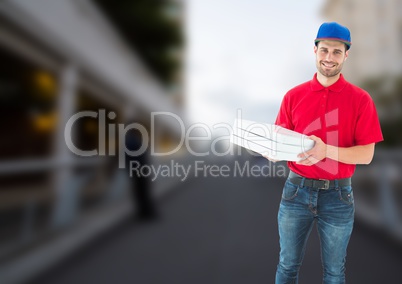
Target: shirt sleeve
(368, 129)
(284, 118)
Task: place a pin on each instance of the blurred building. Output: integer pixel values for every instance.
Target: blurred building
(155, 29)
(176, 9)
(59, 58)
(376, 28)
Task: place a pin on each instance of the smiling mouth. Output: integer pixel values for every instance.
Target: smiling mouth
(328, 65)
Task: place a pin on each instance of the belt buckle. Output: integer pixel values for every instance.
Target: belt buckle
(326, 183)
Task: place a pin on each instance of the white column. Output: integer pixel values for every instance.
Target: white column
(65, 203)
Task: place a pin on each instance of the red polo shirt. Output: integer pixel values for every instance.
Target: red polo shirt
(341, 115)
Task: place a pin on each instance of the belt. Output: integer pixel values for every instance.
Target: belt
(318, 183)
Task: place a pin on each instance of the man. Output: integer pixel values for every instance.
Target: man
(141, 186)
(342, 120)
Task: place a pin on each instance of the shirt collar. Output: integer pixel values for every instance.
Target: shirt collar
(335, 87)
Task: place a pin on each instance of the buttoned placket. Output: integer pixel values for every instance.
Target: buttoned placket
(324, 100)
(323, 108)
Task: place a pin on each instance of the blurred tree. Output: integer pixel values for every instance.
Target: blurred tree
(151, 31)
(387, 94)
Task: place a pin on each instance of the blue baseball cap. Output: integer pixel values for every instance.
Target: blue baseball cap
(334, 31)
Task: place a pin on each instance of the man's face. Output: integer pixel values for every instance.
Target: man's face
(330, 56)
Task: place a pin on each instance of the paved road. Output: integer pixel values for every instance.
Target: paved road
(216, 231)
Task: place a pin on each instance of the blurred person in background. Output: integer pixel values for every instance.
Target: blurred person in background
(141, 184)
(342, 120)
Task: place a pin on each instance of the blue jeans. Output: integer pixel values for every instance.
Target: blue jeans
(301, 207)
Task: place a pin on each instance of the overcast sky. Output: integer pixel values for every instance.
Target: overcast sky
(245, 54)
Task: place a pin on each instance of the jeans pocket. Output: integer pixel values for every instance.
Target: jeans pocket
(346, 194)
(289, 190)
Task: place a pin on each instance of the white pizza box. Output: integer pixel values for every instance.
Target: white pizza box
(274, 154)
(270, 140)
(273, 132)
(250, 137)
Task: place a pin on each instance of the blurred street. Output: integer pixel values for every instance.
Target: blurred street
(216, 230)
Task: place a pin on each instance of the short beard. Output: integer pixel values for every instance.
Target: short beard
(329, 73)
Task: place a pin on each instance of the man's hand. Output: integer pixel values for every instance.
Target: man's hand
(315, 154)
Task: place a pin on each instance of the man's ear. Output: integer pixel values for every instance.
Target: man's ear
(315, 49)
(346, 54)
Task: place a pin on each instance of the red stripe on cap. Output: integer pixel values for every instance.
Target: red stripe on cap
(333, 38)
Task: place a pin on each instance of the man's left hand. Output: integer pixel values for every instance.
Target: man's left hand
(315, 154)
